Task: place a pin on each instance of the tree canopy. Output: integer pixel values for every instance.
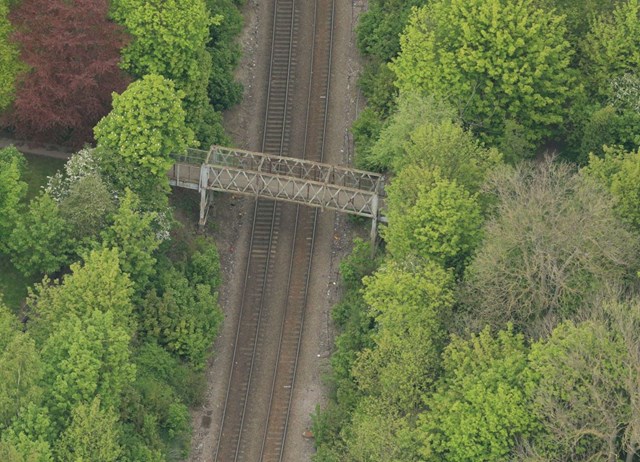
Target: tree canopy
(146, 125)
(554, 244)
(12, 191)
(170, 39)
(494, 61)
(10, 65)
(67, 87)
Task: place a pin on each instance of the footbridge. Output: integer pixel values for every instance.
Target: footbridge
(287, 179)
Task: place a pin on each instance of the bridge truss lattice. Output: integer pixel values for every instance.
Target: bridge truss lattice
(287, 179)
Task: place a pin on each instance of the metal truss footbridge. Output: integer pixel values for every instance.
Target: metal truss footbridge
(287, 179)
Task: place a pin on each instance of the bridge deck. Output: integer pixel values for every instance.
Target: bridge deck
(281, 178)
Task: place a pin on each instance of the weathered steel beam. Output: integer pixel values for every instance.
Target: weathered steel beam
(281, 178)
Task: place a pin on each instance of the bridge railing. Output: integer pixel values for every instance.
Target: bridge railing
(296, 168)
(192, 156)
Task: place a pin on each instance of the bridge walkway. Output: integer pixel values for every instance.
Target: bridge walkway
(280, 178)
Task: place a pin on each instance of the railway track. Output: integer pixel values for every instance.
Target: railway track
(260, 384)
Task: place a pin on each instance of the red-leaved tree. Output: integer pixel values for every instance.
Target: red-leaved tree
(73, 51)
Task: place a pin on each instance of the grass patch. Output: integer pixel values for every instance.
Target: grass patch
(13, 285)
(39, 168)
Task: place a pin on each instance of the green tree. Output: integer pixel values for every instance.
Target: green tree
(612, 47)
(619, 172)
(426, 133)
(204, 265)
(133, 235)
(480, 406)
(92, 436)
(41, 241)
(85, 358)
(495, 61)
(185, 318)
(225, 52)
(431, 218)
(20, 369)
(23, 449)
(409, 305)
(146, 125)
(413, 110)
(12, 191)
(99, 284)
(609, 126)
(86, 207)
(379, 28)
(170, 39)
(379, 433)
(10, 64)
(553, 244)
(580, 14)
(579, 376)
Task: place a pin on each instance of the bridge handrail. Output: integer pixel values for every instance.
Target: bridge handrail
(192, 156)
(304, 169)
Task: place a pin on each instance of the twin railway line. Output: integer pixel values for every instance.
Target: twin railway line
(262, 375)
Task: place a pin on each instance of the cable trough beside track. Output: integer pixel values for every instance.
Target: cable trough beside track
(261, 382)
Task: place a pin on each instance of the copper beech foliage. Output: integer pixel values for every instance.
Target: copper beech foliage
(72, 50)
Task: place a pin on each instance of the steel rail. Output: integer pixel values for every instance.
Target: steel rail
(309, 251)
(271, 96)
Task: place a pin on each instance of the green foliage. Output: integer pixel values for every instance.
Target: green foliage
(619, 172)
(156, 406)
(84, 358)
(203, 266)
(10, 64)
(366, 130)
(20, 369)
(358, 264)
(41, 241)
(132, 234)
(424, 132)
(23, 449)
(170, 40)
(389, 146)
(84, 330)
(120, 175)
(579, 16)
(609, 127)
(553, 244)
(225, 52)
(33, 429)
(184, 318)
(156, 363)
(494, 61)
(146, 125)
(377, 84)
(12, 191)
(92, 435)
(378, 433)
(612, 47)
(97, 285)
(86, 207)
(409, 304)
(380, 26)
(480, 407)
(168, 37)
(356, 325)
(431, 218)
(580, 374)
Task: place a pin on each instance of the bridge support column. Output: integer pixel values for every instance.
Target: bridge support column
(206, 197)
(374, 224)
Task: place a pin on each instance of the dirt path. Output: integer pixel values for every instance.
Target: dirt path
(36, 148)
